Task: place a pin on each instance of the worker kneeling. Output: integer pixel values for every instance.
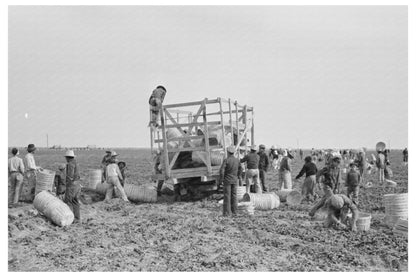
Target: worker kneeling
(338, 207)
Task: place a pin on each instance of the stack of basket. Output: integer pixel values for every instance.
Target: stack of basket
(264, 201)
(395, 207)
(44, 180)
(53, 208)
(94, 178)
(401, 227)
(245, 208)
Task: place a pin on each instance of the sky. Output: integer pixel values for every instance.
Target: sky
(317, 76)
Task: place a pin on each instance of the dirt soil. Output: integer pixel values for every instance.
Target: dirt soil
(193, 236)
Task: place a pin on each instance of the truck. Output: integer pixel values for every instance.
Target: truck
(191, 142)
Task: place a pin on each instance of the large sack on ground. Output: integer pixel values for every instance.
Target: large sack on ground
(53, 208)
(143, 193)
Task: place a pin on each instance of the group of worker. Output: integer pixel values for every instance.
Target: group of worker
(22, 173)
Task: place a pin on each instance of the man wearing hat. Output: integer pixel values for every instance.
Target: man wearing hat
(16, 172)
(73, 187)
(352, 183)
(263, 166)
(338, 206)
(155, 101)
(113, 177)
(274, 156)
(105, 161)
(229, 172)
(331, 175)
(252, 173)
(31, 170)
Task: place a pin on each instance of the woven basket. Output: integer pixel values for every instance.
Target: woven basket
(246, 208)
(102, 188)
(94, 178)
(144, 193)
(241, 190)
(395, 207)
(53, 208)
(363, 222)
(294, 198)
(283, 193)
(217, 157)
(264, 201)
(44, 180)
(401, 227)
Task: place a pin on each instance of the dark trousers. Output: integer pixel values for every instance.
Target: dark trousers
(230, 199)
(72, 195)
(352, 193)
(263, 179)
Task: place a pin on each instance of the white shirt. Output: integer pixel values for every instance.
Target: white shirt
(30, 162)
(113, 171)
(16, 165)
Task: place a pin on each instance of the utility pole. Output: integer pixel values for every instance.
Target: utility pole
(47, 141)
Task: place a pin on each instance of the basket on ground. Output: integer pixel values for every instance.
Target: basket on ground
(94, 178)
(401, 227)
(143, 193)
(245, 208)
(294, 198)
(102, 188)
(395, 207)
(263, 201)
(283, 193)
(44, 180)
(53, 208)
(363, 222)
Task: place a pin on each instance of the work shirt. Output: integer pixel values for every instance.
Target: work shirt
(381, 160)
(273, 155)
(353, 178)
(106, 160)
(285, 164)
(308, 168)
(72, 172)
(114, 171)
(332, 177)
(263, 161)
(230, 171)
(30, 162)
(252, 160)
(157, 93)
(16, 165)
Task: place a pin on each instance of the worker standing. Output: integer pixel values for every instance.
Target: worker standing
(252, 173)
(229, 172)
(155, 101)
(123, 168)
(113, 177)
(352, 183)
(263, 166)
(104, 162)
(381, 165)
(331, 181)
(405, 156)
(310, 169)
(31, 170)
(301, 154)
(16, 170)
(338, 206)
(73, 187)
(285, 177)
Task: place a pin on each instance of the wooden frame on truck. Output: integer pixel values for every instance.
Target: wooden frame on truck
(239, 122)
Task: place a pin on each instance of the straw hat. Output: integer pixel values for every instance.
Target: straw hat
(31, 147)
(108, 151)
(61, 166)
(69, 153)
(121, 162)
(231, 149)
(113, 154)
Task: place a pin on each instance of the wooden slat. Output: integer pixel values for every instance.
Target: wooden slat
(175, 157)
(222, 126)
(231, 122)
(175, 123)
(198, 148)
(192, 124)
(179, 111)
(252, 127)
(245, 122)
(207, 150)
(181, 138)
(238, 129)
(165, 144)
(187, 104)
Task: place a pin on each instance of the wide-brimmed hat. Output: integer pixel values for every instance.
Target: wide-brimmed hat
(31, 147)
(70, 153)
(262, 146)
(231, 149)
(121, 162)
(253, 147)
(108, 151)
(113, 154)
(274, 147)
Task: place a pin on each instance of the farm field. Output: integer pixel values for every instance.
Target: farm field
(193, 235)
